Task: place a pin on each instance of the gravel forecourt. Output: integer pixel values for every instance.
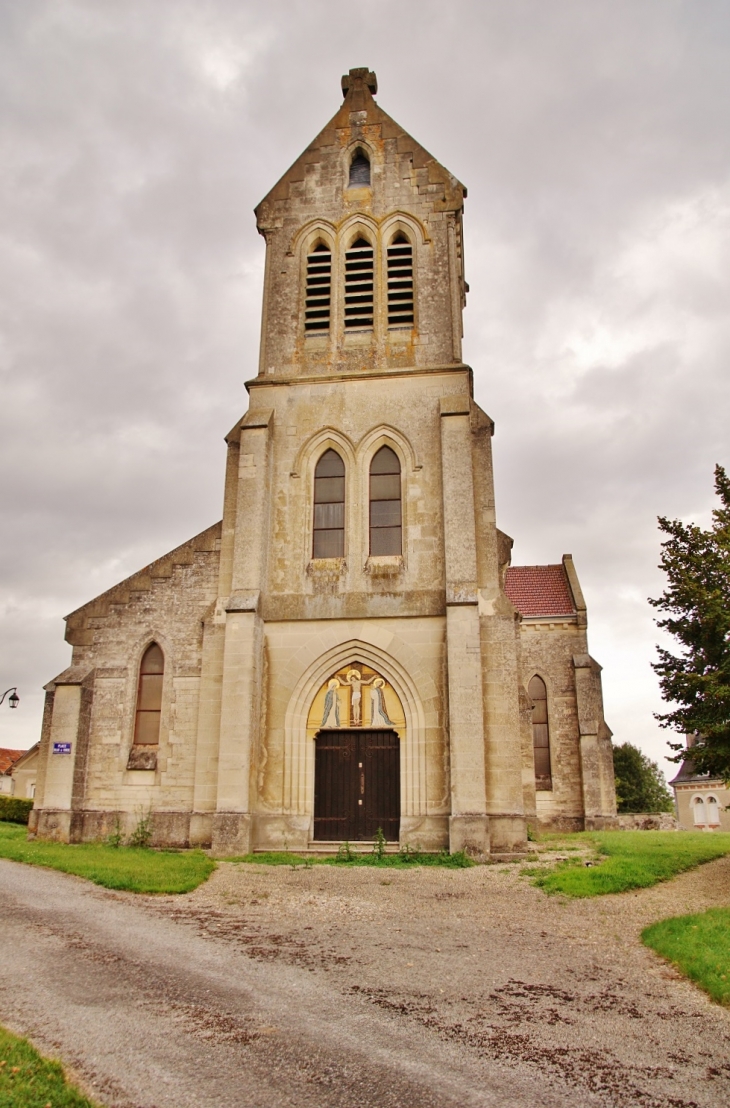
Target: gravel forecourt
(322, 986)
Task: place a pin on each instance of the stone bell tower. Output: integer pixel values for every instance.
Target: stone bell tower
(361, 348)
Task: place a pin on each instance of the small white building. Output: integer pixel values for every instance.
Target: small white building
(702, 801)
(18, 772)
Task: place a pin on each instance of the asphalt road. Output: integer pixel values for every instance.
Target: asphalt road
(150, 1012)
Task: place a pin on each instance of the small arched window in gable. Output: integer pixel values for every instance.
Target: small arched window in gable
(386, 529)
(359, 171)
(319, 289)
(329, 507)
(400, 282)
(698, 812)
(537, 693)
(149, 696)
(359, 284)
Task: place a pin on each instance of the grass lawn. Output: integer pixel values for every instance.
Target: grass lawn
(697, 945)
(28, 1080)
(137, 871)
(402, 860)
(629, 860)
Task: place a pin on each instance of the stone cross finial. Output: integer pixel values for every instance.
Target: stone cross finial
(356, 78)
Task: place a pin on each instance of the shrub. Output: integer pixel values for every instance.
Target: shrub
(640, 784)
(15, 809)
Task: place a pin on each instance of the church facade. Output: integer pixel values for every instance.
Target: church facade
(349, 649)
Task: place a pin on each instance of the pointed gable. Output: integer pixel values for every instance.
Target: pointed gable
(361, 117)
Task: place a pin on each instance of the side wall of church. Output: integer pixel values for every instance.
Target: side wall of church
(548, 652)
(581, 760)
(165, 603)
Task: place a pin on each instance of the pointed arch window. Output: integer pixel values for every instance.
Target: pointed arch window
(386, 524)
(537, 693)
(149, 696)
(359, 284)
(328, 539)
(400, 282)
(319, 289)
(359, 171)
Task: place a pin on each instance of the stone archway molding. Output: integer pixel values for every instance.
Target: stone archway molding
(298, 798)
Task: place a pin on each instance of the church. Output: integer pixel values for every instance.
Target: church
(349, 650)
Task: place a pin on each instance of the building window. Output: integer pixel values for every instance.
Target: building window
(329, 507)
(149, 696)
(319, 289)
(400, 282)
(359, 285)
(713, 812)
(537, 693)
(698, 811)
(359, 171)
(385, 503)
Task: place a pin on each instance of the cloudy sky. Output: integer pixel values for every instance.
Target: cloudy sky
(137, 136)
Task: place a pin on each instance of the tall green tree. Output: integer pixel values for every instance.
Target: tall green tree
(696, 603)
(640, 784)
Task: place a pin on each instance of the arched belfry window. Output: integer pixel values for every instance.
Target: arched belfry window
(359, 171)
(329, 507)
(319, 289)
(540, 733)
(386, 527)
(359, 284)
(400, 282)
(149, 696)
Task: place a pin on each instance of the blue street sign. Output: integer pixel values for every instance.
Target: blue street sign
(62, 748)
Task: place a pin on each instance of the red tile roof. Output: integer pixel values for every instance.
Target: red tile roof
(8, 758)
(540, 590)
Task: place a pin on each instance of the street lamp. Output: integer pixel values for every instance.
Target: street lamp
(13, 699)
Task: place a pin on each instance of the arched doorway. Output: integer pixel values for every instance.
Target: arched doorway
(357, 790)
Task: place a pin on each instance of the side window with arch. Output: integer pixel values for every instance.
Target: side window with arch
(713, 812)
(359, 171)
(386, 526)
(698, 811)
(328, 540)
(149, 696)
(400, 282)
(537, 693)
(319, 289)
(359, 273)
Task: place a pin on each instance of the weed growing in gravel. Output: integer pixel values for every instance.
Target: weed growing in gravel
(27, 1079)
(379, 845)
(630, 860)
(136, 870)
(699, 946)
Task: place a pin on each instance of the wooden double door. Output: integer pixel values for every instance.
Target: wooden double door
(356, 785)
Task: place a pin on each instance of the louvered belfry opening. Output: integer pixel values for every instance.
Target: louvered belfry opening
(400, 282)
(359, 171)
(385, 503)
(319, 289)
(329, 507)
(537, 693)
(149, 697)
(359, 261)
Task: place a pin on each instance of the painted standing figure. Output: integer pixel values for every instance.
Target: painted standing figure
(331, 716)
(378, 710)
